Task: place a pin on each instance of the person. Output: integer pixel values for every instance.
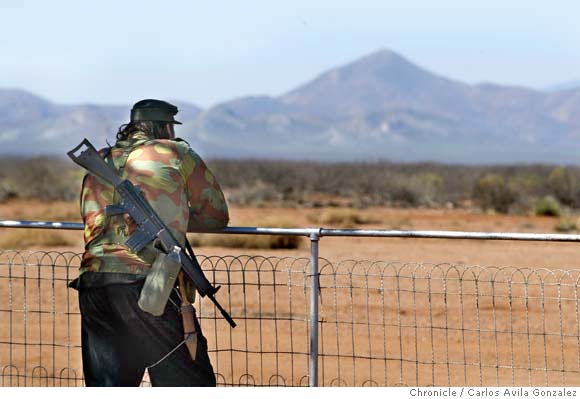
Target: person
(120, 340)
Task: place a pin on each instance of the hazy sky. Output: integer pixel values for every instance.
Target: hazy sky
(205, 52)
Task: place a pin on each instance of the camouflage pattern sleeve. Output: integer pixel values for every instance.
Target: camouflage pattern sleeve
(208, 209)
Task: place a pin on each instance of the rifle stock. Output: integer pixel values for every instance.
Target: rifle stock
(90, 159)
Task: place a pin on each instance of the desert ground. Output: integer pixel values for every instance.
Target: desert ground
(393, 311)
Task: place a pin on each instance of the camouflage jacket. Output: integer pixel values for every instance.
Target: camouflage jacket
(175, 181)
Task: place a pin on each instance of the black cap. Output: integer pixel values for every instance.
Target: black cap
(154, 110)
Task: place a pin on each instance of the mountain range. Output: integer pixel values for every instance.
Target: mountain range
(381, 106)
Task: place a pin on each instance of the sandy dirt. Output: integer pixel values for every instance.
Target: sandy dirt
(404, 312)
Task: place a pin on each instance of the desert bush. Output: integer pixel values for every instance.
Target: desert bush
(492, 193)
(257, 193)
(7, 190)
(344, 218)
(56, 211)
(547, 206)
(42, 178)
(365, 184)
(418, 189)
(26, 238)
(310, 184)
(404, 195)
(530, 184)
(245, 241)
(250, 241)
(429, 184)
(563, 185)
(565, 225)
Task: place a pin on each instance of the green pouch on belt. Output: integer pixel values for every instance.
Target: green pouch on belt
(159, 282)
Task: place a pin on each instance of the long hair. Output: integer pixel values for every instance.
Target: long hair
(153, 129)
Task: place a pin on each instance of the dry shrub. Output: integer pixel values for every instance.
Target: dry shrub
(402, 224)
(43, 178)
(245, 241)
(255, 194)
(492, 193)
(503, 188)
(26, 238)
(249, 241)
(547, 206)
(563, 184)
(566, 225)
(54, 211)
(8, 190)
(345, 218)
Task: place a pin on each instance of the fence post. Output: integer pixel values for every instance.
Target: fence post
(314, 286)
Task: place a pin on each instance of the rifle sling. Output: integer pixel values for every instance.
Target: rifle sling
(190, 331)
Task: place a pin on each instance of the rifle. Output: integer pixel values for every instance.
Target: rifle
(150, 226)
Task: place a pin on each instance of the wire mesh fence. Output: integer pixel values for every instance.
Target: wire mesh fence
(380, 323)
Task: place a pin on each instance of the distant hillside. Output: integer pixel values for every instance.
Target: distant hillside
(32, 125)
(574, 84)
(381, 106)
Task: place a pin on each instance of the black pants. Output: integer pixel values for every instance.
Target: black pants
(119, 341)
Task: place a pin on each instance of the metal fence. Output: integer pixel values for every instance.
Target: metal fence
(370, 323)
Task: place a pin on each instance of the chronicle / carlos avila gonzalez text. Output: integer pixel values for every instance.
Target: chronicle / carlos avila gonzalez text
(462, 392)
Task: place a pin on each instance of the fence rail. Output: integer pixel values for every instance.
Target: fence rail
(323, 232)
(357, 323)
